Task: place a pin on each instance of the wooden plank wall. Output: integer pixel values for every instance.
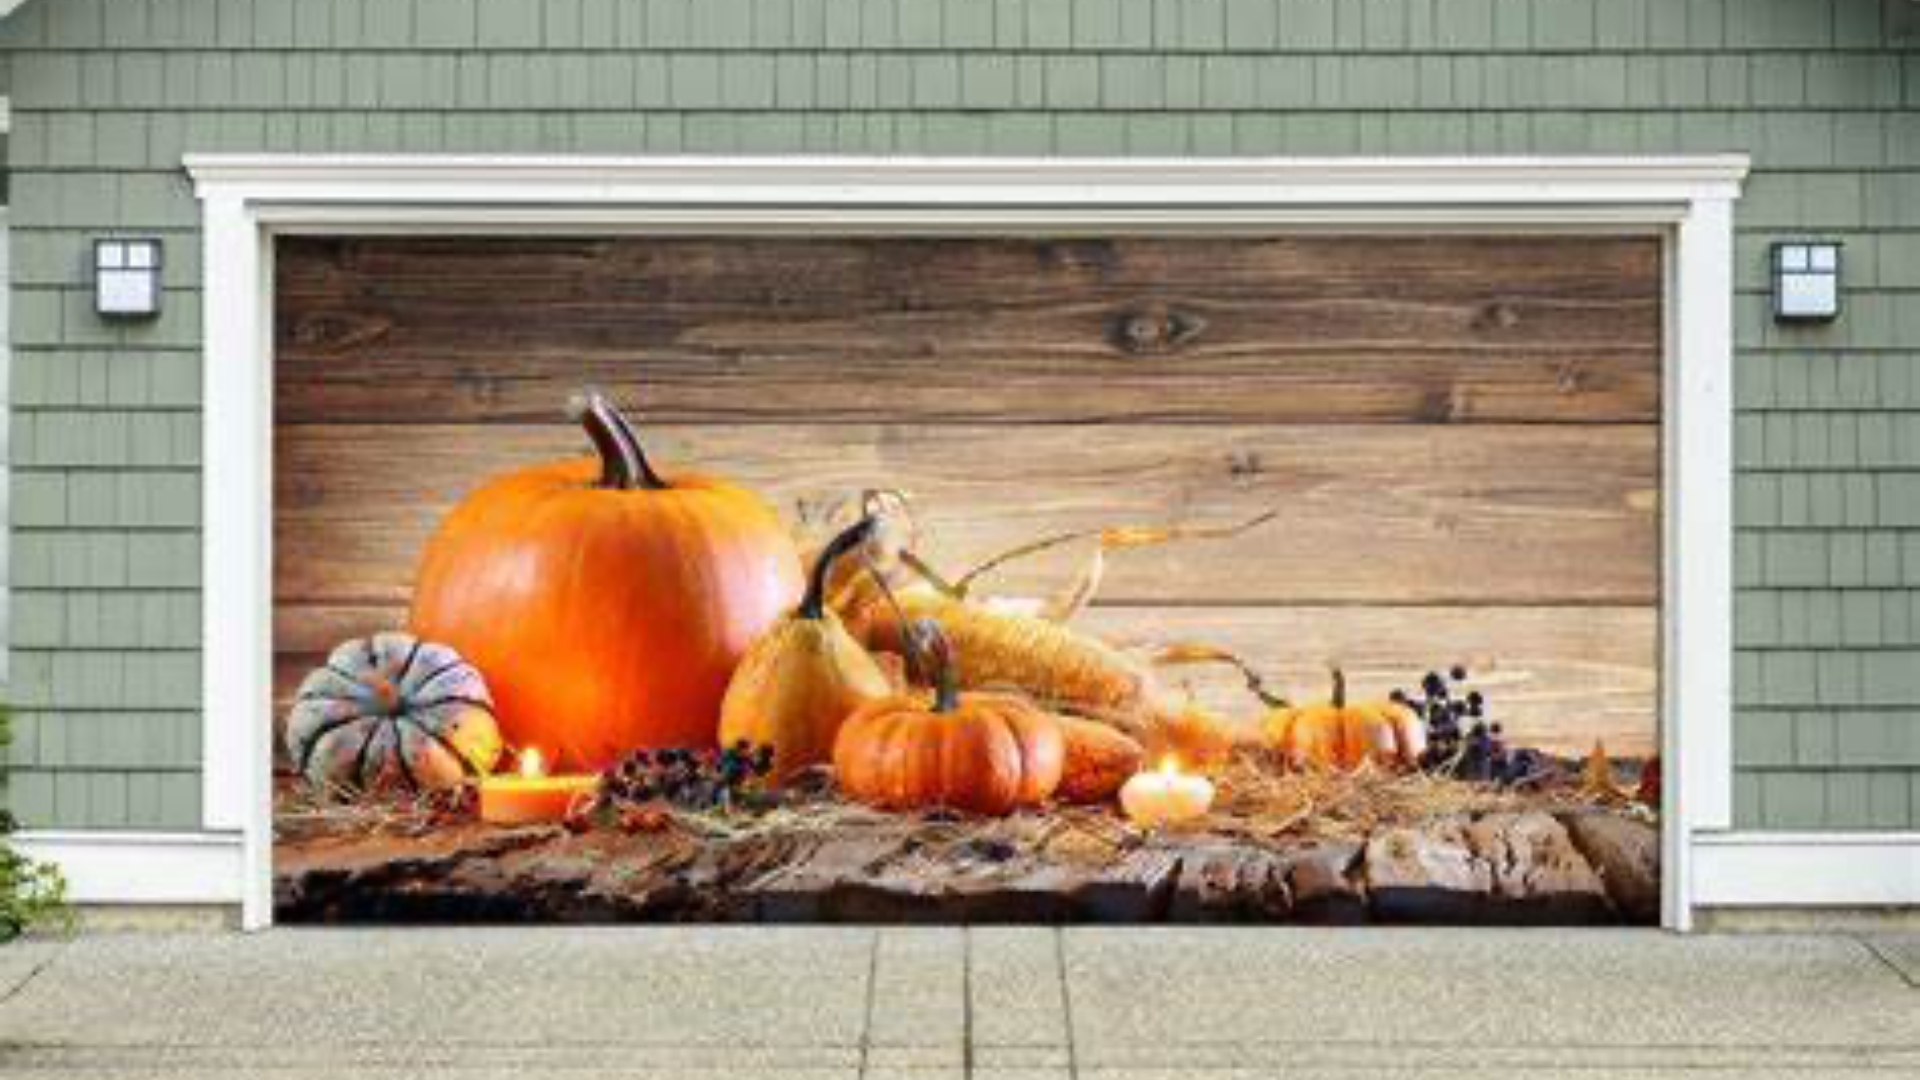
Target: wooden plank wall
(1461, 433)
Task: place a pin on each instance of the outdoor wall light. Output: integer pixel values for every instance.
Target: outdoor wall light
(126, 277)
(1806, 281)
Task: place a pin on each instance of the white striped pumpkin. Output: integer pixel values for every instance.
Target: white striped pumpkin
(392, 712)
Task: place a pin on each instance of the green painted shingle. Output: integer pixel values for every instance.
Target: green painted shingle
(108, 96)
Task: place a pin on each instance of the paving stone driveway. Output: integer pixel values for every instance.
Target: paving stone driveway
(932, 1004)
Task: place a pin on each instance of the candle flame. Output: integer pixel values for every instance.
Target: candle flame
(531, 763)
(1170, 765)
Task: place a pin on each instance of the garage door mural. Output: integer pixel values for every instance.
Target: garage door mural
(1298, 578)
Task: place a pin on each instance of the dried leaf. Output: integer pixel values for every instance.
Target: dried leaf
(1199, 652)
(1195, 652)
(1649, 789)
(1597, 779)
(1117, 538)
(1074, 599)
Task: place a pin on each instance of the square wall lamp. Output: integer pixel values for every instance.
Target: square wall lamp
(1806, 281)
(126, 277)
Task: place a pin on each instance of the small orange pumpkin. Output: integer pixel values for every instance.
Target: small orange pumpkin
(1342, 735)
(984, 753)
(607, 604)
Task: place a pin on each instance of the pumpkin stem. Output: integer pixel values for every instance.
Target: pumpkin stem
(933, 655)
(623, 464)
(1339, 689)
(813, 605)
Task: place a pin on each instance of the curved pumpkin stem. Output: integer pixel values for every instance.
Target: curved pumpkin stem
(1339, 689)
(933, 653)
(813, 605)
(623, 464)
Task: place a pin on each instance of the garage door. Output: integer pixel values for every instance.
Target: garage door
(1460, 433)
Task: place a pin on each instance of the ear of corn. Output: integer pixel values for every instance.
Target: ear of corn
(1056, 666)
(1033, 653)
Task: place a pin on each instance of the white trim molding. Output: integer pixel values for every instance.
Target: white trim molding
(1687, 201)
(143, 868)
(974, 184)
(1820, 869)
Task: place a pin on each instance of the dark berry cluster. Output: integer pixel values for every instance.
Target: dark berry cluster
(1462, 739)
(690, 779)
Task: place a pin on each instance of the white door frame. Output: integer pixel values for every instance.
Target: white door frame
(1687, 201)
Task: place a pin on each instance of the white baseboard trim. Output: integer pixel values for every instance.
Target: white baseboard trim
(1782, 869)
(140, 867)
(1735, 869)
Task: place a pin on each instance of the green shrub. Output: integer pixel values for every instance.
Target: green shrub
(31, 893)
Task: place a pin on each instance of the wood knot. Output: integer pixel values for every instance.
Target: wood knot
(1152, 330)
(1443, 405)
(1244, 463)
(1498, 315)
(335, 331)
(1570, 378)
(1100, 256)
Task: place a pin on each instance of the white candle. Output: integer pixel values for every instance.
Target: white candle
(1166, 796)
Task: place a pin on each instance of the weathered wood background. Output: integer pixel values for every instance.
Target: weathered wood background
(1461, 432)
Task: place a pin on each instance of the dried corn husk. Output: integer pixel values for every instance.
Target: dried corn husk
(1057, 666)
(1003, 644)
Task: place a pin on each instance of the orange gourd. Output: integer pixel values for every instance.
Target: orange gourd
(984, 753)
(607, 604)
(1341, 734)
(1195, 736)
(1099, 760)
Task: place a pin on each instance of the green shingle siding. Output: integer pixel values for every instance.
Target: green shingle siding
(108, 96)
(1162, 25)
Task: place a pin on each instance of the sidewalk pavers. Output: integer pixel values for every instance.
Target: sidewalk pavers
(934, 1003)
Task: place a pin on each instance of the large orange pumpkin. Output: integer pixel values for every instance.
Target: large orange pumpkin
(985, 753)
(606, 604)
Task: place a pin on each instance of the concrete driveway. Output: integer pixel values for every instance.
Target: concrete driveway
(933, 1004)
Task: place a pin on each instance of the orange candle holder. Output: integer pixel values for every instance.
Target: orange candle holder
(530, 796)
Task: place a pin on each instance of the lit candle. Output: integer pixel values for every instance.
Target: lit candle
(532, 796)
(1166, 796)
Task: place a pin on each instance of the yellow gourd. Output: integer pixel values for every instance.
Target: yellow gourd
(801, 680)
